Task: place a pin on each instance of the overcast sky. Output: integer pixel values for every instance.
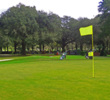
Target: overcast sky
(73, 8)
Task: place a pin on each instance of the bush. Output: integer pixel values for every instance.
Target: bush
(103, 53)
(83, 53)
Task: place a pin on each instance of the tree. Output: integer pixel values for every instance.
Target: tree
(69, 31)
(55, 29)
(104, 8)
(83, 22)
(49, 28)
(31, 41)
(1, 42)
(43, 27)
(20, 21)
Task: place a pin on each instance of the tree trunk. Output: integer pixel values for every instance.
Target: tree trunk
(0, 49)
(28, 49)
(40, 46)
(81, 46)
(63, 47)
(43, 47)
(23, 52)
(57, 48)
(32, 48)
(52, 48)
(40, 41)
(76, 46)
(103, 49)
(15, 46)
(107, 45)
(7, 48)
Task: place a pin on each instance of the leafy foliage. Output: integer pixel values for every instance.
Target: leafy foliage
(19, 23)
(24, 27)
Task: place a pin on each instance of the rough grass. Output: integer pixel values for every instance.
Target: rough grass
(48, 78)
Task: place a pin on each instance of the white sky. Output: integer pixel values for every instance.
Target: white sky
(73, 8)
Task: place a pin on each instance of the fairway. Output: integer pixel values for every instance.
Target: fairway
(49, 78)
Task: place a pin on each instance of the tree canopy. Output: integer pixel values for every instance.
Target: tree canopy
(24, 28)
(19, 23)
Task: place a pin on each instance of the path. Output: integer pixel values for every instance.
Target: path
(6, 59)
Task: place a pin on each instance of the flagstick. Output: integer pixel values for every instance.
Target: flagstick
(93, 55)
(88, 31)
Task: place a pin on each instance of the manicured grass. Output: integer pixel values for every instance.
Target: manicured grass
(48, 78)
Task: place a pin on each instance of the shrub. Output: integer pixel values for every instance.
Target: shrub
(103, 53)
(83, 53)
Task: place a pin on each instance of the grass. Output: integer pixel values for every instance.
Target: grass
(48, 78)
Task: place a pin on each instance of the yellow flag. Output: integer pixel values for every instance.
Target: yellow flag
(90, 53)
(86, 30)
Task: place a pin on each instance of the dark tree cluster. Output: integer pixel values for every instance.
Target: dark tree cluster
(23, 28)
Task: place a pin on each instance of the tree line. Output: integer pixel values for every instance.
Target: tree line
(23, 28)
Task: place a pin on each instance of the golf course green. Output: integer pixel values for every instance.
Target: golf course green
(46, 77)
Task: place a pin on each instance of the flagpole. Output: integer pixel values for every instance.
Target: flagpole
(93, 56)
(89, 31)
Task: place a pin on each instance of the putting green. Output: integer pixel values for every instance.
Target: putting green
(49, 78)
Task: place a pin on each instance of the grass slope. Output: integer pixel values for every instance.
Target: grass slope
(48, 78)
